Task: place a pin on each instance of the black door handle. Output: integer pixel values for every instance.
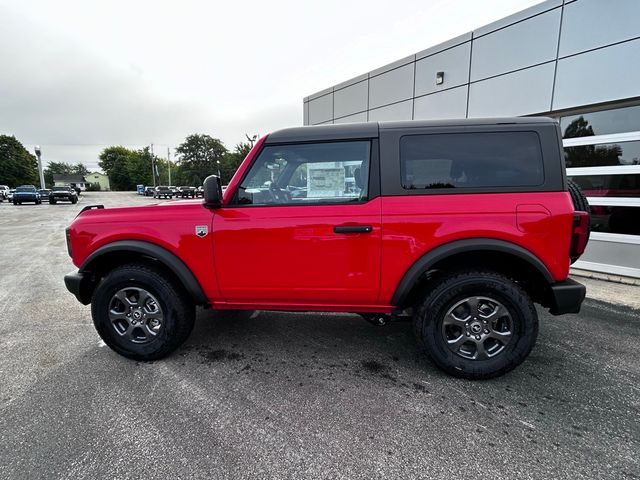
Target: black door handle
(353, 229)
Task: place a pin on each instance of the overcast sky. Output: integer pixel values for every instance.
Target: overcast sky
(79, 75)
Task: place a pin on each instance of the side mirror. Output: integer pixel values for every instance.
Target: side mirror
(212, 192)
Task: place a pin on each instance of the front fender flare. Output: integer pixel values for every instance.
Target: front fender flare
(161, 254)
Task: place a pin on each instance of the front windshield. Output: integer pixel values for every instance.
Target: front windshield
(25, 189)
(60, 189)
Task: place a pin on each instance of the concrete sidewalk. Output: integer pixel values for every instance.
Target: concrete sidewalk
(610, 291)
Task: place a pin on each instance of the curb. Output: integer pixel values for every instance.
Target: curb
(605, 276)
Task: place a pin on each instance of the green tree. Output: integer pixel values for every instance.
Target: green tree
(79, 169)
(200, 156)
(63, 168)
(232, 161)
(127, 168)
(17, 165)
(139, 167)
(115, 162)
(60, 168)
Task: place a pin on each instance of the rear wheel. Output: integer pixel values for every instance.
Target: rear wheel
(140, 313)
(476, 325)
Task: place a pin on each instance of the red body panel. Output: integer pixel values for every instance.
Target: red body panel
(291, 254)
(414, 225)
(170, 225)
(290, 257)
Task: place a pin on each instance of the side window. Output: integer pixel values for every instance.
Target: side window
(311, 173)
(471, 160)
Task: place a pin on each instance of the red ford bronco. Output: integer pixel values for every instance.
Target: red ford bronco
(461, 224)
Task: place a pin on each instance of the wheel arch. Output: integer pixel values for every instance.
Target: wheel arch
(476, 252)
(118, 253)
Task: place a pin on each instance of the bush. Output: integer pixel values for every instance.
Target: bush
(93, 187)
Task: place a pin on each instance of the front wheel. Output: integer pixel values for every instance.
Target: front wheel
(477, 325)
(140, 313)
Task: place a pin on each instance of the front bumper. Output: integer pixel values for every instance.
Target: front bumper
(78, 284)
(567, 297)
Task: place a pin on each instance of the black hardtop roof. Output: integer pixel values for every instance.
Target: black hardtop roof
(371, 129)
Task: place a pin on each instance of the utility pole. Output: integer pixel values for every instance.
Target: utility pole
(153, 168)
(39, 154)
(169, 163)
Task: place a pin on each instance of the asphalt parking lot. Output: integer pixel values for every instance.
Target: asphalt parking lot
(281, 395)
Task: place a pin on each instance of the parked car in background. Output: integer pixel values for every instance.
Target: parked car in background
(149, 192)
(26, 193)
(199, 191)
(44, 194)
(10, 194)
(63, 194)
(186, 192)
(174, 189)
(4, 192)
(163, 191)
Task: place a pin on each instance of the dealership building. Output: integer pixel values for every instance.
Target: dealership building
(577, 61)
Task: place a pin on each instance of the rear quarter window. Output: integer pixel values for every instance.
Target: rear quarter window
(471, 160)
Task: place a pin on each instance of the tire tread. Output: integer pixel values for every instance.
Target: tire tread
(182, 309)
(456, 280)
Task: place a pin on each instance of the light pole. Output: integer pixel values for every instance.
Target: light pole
(39, 155)
(219, 176)
(169, 163)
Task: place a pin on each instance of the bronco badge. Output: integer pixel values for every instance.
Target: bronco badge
(202, 230)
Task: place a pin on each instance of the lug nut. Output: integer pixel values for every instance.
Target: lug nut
(468, 334)
(477, 337)
(486, 331)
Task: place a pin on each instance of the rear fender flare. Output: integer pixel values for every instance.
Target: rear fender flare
(429, 259)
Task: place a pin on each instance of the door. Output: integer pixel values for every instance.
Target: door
(302, 228)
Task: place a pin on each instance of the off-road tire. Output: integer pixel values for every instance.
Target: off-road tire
(178, 311)
(580, 202)
(449, 290)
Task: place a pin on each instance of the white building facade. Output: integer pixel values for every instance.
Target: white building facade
(577, 61)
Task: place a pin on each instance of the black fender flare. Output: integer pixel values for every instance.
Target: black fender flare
(161, 254)
(424, 263)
